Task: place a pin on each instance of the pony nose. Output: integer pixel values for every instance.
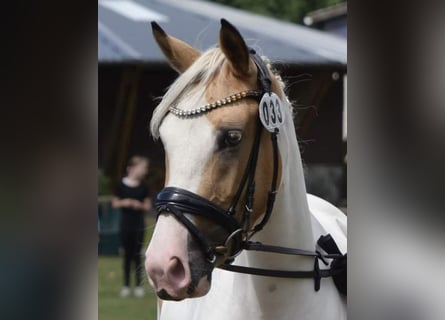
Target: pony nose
(172, 276)
(176, 271)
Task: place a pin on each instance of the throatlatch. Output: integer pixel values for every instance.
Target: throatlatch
(180, 202)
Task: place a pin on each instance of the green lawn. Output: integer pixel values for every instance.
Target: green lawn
(111, 306)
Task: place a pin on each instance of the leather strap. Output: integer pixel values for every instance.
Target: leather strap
(208, 249)
(251, 164)
(317, 274)
(268, 272)
(257, 246)
(273, 189)
(264, 81)
(190, 202)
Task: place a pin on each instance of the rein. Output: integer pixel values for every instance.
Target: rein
(180, 203)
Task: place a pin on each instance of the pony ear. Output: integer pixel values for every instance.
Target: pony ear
(179, 54)
(234, 48)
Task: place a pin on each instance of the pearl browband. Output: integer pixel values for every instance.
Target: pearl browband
(218, 103)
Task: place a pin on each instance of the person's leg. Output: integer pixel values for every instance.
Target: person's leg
(127, 246)
(139, 241)
(139, 291)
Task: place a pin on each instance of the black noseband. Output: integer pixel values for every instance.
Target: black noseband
(180, 202)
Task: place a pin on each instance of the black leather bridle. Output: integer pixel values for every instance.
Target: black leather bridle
(180, 203)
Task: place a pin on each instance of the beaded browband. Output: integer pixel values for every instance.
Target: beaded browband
(219, 103)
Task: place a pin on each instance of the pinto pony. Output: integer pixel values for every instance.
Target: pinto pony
(230, 189)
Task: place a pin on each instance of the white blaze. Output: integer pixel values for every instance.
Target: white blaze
(189, 144)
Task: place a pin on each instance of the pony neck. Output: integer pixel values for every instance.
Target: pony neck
(289, 226)
(290, 222)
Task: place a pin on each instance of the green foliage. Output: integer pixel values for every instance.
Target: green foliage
(290, 10)
(104, 185)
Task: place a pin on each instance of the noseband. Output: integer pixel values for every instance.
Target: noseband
(180, 202)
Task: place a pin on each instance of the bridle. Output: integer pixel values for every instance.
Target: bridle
(180, 203)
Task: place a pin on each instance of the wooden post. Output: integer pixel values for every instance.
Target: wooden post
(122, 125)
(128, 123)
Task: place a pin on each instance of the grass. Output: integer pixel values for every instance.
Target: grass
(113, 307)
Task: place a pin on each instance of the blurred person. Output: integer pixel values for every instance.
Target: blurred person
(132, 198)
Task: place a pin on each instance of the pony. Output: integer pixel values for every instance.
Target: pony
(209, 124)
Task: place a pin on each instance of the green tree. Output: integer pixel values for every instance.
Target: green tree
(290, 10)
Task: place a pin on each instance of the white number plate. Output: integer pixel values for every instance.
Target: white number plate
(271, 112)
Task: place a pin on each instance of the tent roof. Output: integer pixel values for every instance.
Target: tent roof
(124, 32)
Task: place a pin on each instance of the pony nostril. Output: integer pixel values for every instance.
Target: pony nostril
(176, 270)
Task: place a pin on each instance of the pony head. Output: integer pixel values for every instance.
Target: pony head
(206, 154)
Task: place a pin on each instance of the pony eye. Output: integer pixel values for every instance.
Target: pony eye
(233, 137)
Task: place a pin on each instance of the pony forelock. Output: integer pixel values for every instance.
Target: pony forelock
(195, 77)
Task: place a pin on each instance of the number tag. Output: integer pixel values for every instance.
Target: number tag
(271, 114)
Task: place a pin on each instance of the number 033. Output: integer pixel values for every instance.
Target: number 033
(270, 111)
